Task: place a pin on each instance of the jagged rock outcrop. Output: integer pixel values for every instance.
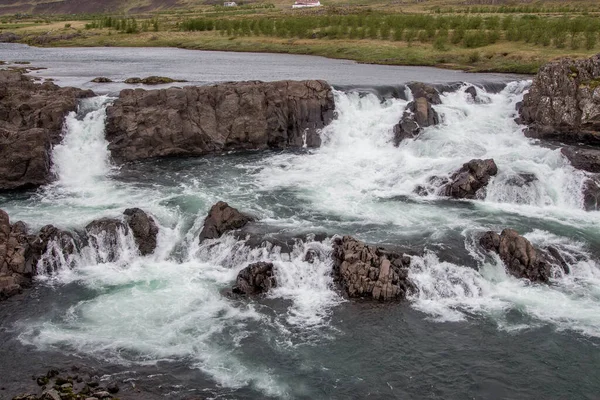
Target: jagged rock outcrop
(584, 158)
(144, 229)
(31, 119)
(564, 102)
(467, 182)
(15, 271)
(223, 218)
(194, 121)
(255, 279)
(370, 272)
(521, 258)
(418, 114)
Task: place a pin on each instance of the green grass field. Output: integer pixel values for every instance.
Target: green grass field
(509, 37)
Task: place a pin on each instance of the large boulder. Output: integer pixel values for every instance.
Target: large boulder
(223, 218)
(587, 159)
(467, 182)
(521, 258)
(144, 229)
(255, 279)
(564, 102)
(31, 120)
(192, 121)
(418, 114)
(370, 272)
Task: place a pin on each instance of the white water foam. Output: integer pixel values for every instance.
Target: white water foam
(171, 305)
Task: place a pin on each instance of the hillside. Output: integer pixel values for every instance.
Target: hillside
(55, 7)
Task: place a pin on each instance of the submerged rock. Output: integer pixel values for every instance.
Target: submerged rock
(564, 102)
(144, 229)
(521, 258)
(255, 278)
(31, 120)
(418, 113)
(102, 79)
(222, 218)
(193, 121)
(370, 272)
(467, 182)
(153, 80)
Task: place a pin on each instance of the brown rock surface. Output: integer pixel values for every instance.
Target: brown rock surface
(15, 271)
(144, 229)
(564, 101)
(255, 278)
(370, 272)
(194, 121)
(470, 179)
(222, 218)
(418, 114)
(520, 257)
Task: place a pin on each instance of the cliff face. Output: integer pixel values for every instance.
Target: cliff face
(193, 121)
(564, 102)
(31, 119)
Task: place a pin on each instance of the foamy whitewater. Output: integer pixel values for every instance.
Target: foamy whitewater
(172, 306)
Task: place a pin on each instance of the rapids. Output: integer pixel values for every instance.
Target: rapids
(304, 340)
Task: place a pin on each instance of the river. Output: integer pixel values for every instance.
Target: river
(164, 322)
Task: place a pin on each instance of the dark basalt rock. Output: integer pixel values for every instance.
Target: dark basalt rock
(255, 278)
(222, 218)
(521, 258)
(370, 272)
(152, 80)
(418, 113)
(194, 121)
(467, 182)
(586, 159)
(31, 120)
(472, 92)
(591, 195)
(51, 244)
(15, 271)
(144, 229)
(564, 102)
(102, 79)
(104, 234)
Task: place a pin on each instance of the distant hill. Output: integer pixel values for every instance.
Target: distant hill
(89, 6)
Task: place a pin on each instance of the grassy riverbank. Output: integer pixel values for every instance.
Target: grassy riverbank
(498, 38)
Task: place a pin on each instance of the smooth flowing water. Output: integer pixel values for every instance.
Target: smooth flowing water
(165, 321)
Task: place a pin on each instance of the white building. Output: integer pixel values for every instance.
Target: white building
(230, 4)
(306, 3)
